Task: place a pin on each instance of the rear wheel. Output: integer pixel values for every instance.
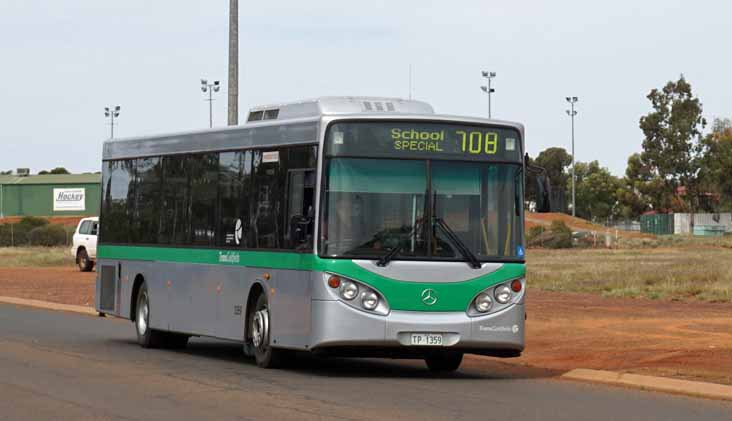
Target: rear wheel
(444, 362)
(146, 336)
(259, 334)
(82, 258)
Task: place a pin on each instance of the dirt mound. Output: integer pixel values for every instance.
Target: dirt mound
(576, 224)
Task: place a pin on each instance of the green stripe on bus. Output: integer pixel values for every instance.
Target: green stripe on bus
(401, 295)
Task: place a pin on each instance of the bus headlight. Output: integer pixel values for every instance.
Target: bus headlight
(502, 294)
(356, 294)
(369, 300)
(348, 290)
(483, 302)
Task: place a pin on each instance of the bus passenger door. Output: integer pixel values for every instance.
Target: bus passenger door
(291, 304)
(300, 208)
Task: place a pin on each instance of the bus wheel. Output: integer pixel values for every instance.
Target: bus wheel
(146, 337)
(82, 258)
(443, 362)
(264, 354)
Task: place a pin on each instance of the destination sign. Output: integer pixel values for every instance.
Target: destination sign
(426, 140)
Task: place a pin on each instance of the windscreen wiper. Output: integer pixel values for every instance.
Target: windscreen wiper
(464, 250)
(385, 259)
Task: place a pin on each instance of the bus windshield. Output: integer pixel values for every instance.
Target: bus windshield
(373, 206)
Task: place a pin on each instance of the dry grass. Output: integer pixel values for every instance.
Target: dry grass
(35, 256)
(701, 273)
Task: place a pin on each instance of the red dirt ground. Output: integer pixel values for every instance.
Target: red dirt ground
(69, 221)
(564, 330)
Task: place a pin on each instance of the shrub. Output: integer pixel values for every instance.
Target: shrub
(31, 222)
(14, 235)
(48, 235)
(534, 232)
(561, 236)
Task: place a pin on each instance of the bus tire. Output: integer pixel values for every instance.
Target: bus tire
(443, 362)
(146, 336)
(83, 260)
(259, 333)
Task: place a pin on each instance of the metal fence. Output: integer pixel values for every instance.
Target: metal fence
(703, 224)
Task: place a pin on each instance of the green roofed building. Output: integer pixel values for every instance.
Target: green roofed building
(50, 195)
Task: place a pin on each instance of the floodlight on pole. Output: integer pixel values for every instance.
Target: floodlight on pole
(112, 113)
(572, 113)
(488, 89)
(210, 88)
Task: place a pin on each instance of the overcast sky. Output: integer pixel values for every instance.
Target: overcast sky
(63, 61)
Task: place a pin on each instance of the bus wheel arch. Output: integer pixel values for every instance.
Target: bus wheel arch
(254, 292)
(139, 280)
(257, 312)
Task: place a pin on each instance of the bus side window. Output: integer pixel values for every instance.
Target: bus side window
(300, 207)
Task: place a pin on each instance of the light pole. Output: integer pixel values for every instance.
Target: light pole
(488, 89)
(210, 88)
(571, 113)
(233, 86)
(112, 113)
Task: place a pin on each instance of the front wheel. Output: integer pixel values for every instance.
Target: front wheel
(85, 263)
(444, 362)
(259, 333)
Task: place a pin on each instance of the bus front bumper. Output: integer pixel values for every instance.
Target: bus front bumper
(337, 326)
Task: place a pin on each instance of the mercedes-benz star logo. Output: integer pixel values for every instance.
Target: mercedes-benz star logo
(429, 297)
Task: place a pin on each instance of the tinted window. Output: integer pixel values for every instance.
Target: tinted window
(147, 214)
(117, 209)
(231, 199)
(203, 178)
(268, 197)
(235, 190)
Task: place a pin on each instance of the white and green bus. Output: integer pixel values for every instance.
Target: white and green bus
(339, 226)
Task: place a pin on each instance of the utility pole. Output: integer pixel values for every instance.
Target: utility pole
(410, 81)
(210, 88)
(571, 113)
(488, 89)
(112, 113)
(233, 117)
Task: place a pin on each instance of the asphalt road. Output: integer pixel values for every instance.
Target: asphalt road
(56, 365)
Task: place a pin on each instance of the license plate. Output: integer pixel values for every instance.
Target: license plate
(427, 339)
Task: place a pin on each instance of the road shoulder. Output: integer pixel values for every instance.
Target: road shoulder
(652, 383)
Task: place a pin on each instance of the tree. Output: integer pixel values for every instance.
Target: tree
(596, 191)
(672, 145)
(555, 161)
(641, 190)
(716, 164)
(57, 170)
(8, 172)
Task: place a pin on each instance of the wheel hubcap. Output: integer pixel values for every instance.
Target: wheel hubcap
(143, 312)
(260, 328)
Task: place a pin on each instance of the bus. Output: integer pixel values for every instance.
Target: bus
(342, 226)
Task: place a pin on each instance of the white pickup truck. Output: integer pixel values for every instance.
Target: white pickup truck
(84, 248)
